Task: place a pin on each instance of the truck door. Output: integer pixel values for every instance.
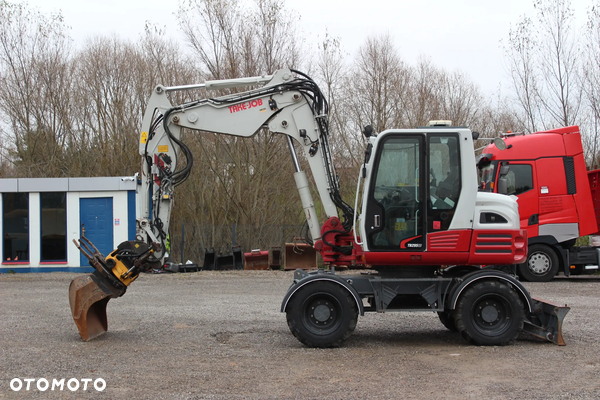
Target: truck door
(520, 183)
(395, 208)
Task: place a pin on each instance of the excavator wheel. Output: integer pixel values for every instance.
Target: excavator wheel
(322, 314)
(447, 319)
(489, 313)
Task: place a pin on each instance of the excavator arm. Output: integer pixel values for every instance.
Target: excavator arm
(284, 103)
(287, 102)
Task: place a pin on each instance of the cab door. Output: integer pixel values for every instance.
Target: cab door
(445, 181)
(395, 212)
(520, 183)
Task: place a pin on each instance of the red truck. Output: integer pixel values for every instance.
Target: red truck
(558, 198)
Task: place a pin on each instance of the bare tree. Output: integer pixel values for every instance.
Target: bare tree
(423, 102)
(591, 86)
(461, 99)
(377, 85)
(520, 55)
(211, 28)
(109, 115)
(331, 72)
(544, 65)
(278, 45)
(238, 182)
(559, 61)
(233, 39)
(35, 72)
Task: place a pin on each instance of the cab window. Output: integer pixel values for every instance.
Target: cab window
(396, 205)
(486, 176)
(519, 179)
(444, 180)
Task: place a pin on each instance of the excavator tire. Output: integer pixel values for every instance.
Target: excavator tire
(447, 319)
(322, 314)
(489, 313)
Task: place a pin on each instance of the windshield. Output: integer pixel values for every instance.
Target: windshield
(486, 176)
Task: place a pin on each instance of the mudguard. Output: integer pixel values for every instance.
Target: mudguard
(543, 318)
(303, 278)
(480, 275)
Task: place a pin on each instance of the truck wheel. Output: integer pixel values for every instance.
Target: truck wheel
(489, 313)
(447, 319)
(322, 314)
(541, 264)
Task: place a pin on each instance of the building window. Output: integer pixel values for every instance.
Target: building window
(15, 226)
(54, 226)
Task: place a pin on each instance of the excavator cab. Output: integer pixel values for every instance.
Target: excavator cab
(89, 295)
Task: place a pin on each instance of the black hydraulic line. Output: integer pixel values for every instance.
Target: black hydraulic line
(178, 177)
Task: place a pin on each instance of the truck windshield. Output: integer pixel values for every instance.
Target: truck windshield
(486, 176)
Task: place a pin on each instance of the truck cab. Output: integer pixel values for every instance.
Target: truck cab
(546, 171)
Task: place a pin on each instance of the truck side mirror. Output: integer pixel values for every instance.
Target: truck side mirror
(500, 143)
(502, 185)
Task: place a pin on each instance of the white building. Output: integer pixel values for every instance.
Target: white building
(41, 217)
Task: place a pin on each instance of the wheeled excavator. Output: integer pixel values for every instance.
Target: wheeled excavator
(427, 239)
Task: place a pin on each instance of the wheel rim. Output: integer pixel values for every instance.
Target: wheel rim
(539, 263)
(491, 315)
(321, 313)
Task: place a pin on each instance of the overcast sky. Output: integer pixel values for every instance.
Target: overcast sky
(455, 34)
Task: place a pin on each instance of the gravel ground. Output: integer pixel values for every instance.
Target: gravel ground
(220, 335)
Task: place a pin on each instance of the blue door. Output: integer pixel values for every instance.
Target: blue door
(96, 224)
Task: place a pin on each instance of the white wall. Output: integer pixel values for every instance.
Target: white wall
(35, 229)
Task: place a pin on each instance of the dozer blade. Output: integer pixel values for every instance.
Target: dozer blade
(546, 321)
(88, 297)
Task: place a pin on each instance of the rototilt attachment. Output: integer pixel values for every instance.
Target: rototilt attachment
(89, 295)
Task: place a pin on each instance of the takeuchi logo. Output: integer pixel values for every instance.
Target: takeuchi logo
(42, 384)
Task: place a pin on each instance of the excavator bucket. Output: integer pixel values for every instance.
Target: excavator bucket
(89, 295)
(88, 298)
(300, 256)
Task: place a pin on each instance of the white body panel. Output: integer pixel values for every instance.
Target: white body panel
(492, 203)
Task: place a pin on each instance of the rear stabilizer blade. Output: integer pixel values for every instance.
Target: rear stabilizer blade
(546, 321)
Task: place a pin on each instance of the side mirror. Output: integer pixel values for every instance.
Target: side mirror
(368, 131)
(500, 143)
(502, 185)
(504, 168)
